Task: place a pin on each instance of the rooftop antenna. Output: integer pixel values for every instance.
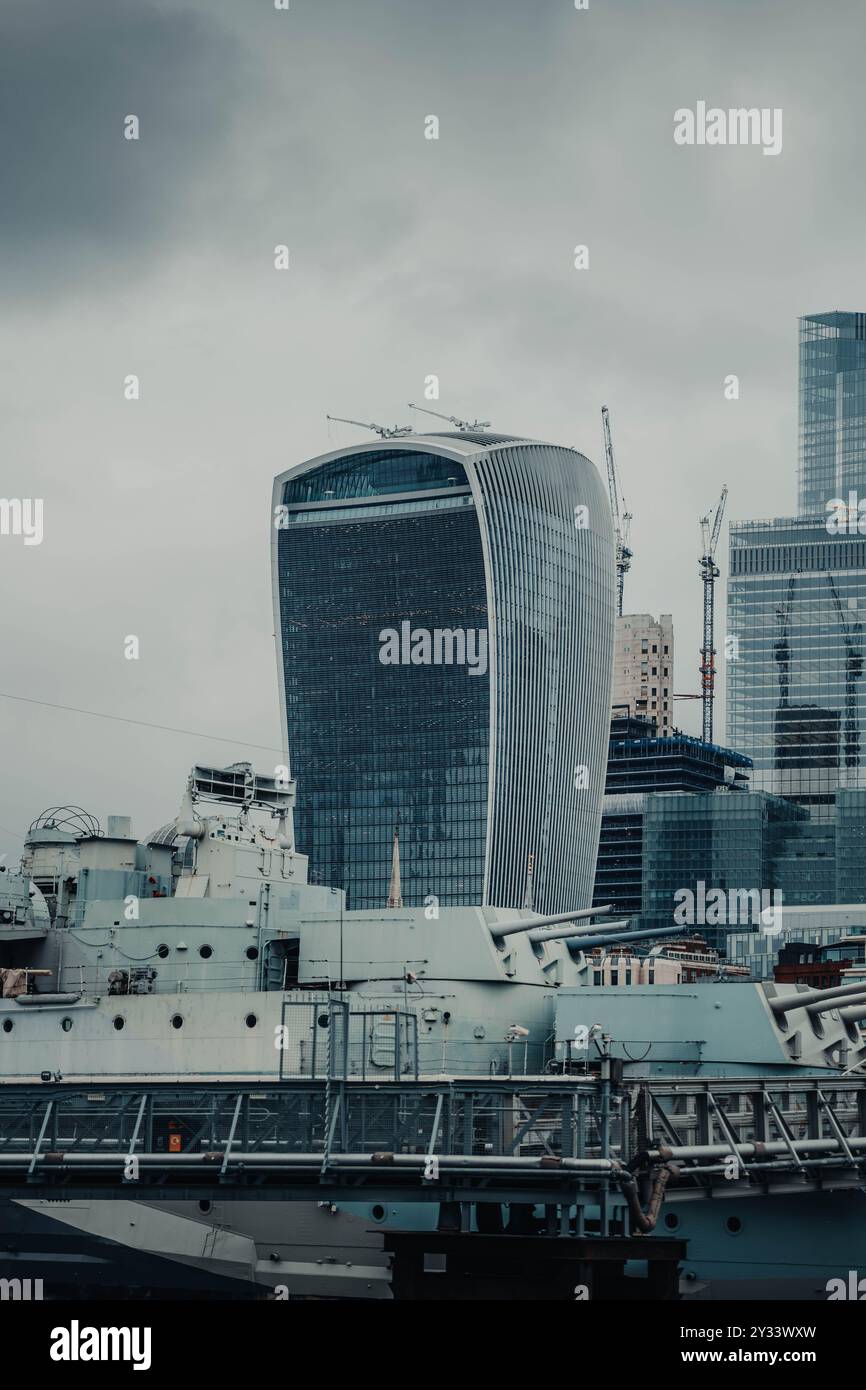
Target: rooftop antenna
(452, 419)
(383, 431)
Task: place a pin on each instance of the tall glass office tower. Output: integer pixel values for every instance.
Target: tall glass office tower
(445, 615)
(832, 410)
(797, 592)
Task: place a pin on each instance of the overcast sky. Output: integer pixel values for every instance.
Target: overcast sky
(408, 257)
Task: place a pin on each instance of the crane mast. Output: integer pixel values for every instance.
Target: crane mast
(452, 419)
(383, 431)
(709, 574)
(621, 517)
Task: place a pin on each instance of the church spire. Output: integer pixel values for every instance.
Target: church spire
(395, 896)
(528, 903)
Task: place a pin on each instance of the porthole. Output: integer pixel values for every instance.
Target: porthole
(204, 1206)
(8, 1025)
(162, 951)
(378, 1212)
(176, 1021)
(119, 1022)
(251, 1020)
(205, 952)
(252, 953)
(733, 1225)
(66, 1024)
(322, 1020)
(672, 1221)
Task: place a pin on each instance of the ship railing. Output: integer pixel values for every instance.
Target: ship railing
(169, 978)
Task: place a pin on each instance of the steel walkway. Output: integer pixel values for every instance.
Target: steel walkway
(560, 1141)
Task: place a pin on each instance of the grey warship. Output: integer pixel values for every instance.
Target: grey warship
(183, 956)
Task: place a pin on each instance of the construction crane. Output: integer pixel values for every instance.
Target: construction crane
(621, 517)
(384, 431)
(709, 574)
(853, 672)
(452, 419)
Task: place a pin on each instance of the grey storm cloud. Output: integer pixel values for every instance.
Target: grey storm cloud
(76, 194)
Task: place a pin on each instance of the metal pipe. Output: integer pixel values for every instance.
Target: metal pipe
(776, 1165)
(753, 1150)
(801, 999)
(213, 1161)
(645, 1221)
(500, 929)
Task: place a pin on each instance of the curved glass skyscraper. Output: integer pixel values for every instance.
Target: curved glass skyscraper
(445, 614)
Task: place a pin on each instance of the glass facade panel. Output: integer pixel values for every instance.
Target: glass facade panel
(376, 747)
(552, 581)
(832, 409)
(796, 698)
(851, 847)
(725, 842)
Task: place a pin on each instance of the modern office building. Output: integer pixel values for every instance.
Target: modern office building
(818, 927)
(643, 667)
(850, 847)
(640, 763)
(721, 851)
(819, 967)
(796, 700)
(444, 610)
(759, 850)
(797, 592)
(832, 410)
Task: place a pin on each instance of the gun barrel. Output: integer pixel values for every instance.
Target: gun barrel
(854, 1000)
(641, 935)
(563, 933)
(501, 929)
(802, 999)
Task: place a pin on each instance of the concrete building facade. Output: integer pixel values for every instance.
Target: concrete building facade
(643, 668)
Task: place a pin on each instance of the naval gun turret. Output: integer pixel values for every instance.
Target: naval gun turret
(725, 1029)
(562, 926)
